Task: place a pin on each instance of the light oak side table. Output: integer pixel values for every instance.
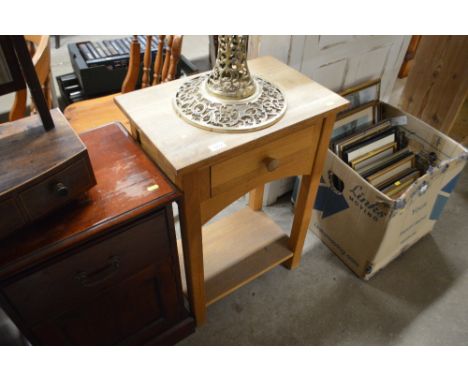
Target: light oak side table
(215, 169)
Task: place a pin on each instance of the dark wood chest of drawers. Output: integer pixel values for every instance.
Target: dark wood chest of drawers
(103, 270)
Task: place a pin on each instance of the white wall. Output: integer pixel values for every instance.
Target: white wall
(338, 62)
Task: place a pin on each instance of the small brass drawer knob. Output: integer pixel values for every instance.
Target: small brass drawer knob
(61, 189)
(271, 163)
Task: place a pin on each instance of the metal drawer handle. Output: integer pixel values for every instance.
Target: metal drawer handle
(61, 190)
(271, 163)
(91, 279)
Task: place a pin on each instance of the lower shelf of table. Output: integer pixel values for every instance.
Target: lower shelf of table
(237, 249)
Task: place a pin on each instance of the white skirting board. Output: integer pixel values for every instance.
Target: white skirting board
(276, 189)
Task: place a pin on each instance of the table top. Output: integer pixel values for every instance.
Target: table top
(128, 184)
(183, 147)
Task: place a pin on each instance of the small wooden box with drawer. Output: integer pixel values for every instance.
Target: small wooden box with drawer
(40, 170)
(104, 270)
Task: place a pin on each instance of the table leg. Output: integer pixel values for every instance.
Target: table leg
(256, 198)
(307, 194)
(190, 222)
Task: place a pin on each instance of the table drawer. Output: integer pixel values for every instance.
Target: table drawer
(91, 270)
(57, 189)
(290, 155)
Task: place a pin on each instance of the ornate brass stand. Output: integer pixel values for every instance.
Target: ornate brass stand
(229, 99)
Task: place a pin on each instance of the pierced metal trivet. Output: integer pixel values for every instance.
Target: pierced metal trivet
(198, 107)
(229, 99)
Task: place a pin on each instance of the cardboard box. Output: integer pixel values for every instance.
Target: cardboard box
(365, 228)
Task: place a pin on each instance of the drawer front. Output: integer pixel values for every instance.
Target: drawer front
(140, 308)
(290, 155)
(10, 217)
(57, 189)
(89, 271)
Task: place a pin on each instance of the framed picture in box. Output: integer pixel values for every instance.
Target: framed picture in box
(360, 118)
(362, 95)
(362, 111)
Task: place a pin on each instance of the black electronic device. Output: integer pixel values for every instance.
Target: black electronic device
(101, 67)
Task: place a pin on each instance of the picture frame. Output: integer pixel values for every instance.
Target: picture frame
(360, 118)
(17, 70)
(365, 94)
(362, 111)
(11, 77)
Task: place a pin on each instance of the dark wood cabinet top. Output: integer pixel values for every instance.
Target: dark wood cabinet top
(128, 185)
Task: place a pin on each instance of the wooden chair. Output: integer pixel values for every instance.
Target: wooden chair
(88, 114)
(39, 47)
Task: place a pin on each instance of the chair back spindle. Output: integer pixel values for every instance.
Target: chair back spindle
(145, 79)
(167, 58)
(158, 60)
(131, 78)
(175, 56)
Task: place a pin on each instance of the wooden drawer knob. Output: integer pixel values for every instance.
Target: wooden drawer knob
(271, 163)
(61, 190)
